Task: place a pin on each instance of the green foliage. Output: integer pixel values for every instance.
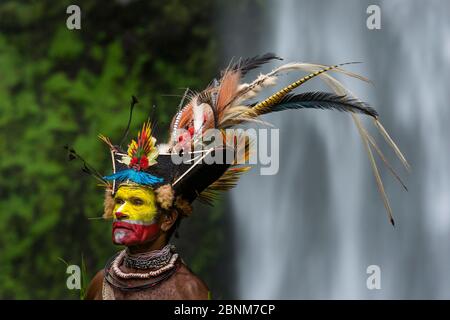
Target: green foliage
(60, 86)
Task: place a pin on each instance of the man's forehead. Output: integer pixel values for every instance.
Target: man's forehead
(134, 190)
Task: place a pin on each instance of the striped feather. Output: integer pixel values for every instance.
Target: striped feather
(276, 97)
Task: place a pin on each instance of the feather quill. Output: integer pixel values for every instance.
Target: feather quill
(393, 145)
(375, 171)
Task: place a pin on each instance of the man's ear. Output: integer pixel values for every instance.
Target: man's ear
(168, 220)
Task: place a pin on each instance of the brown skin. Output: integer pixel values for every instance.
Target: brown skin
(182, 285)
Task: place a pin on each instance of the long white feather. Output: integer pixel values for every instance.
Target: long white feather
(249, 90)
(340, 89)
(198, 116)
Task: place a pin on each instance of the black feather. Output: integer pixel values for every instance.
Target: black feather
(134, 101)
(323, 100)
(87, 168)
(249, 64)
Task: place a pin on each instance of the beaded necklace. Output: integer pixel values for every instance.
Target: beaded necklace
(158, 260)
(149, 260)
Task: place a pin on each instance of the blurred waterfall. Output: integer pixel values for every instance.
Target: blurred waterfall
(312, 230)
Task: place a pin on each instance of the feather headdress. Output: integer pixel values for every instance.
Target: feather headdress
(227, 103)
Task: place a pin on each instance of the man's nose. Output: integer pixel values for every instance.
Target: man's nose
(121, 215)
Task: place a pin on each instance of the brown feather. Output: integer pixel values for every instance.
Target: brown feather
(226, 182)
(228, 88)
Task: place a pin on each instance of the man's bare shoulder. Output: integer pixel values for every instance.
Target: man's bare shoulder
(189, 285)
(94, 290)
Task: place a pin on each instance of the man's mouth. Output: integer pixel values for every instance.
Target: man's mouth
(121, 225)
(128, 232)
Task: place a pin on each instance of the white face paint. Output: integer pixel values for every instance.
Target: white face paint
(118, 236)
(121, 208)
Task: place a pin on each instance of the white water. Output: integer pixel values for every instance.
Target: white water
(311, 230)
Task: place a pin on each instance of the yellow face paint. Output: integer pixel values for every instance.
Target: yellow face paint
(135, 213)
(135, 203)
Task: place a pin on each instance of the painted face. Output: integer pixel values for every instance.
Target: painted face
(135, 214)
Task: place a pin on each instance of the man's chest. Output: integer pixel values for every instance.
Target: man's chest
(163, 291)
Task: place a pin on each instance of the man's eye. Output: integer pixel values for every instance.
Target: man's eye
(119, 201)
(137, 202)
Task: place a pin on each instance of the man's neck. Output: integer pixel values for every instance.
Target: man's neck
(157, 244)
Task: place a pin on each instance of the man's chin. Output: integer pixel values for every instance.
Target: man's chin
(122, 236)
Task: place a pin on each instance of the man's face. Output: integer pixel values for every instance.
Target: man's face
(135, 214)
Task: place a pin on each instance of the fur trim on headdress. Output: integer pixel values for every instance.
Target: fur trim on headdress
(165, 196)
(108, 204)
(184, 207)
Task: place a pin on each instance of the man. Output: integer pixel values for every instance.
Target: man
(147, 196)
(135, 205)
(152, 186)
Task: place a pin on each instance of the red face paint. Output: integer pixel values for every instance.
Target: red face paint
(135, 216)
(130, 232)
